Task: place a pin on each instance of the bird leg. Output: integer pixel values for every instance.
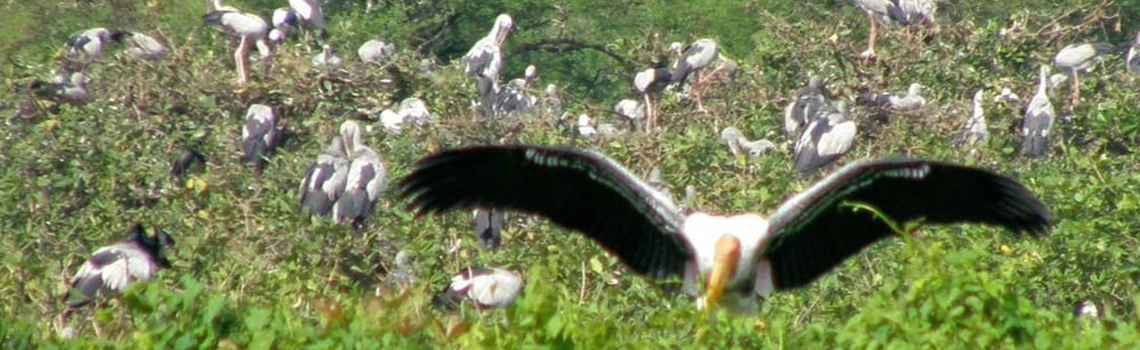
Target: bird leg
(1076, 90)
(239, 59)
(697, 91)
(650, 115)
(870, 53)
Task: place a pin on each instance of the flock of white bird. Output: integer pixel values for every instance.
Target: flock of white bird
(348, 176)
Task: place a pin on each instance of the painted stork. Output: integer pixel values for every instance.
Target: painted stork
(376, 51)
(88, 45)
(908, 102)
(900, 12)
(140, 46)
(824, 141)
(975, 131)
(72, 91)
(1077, 59)
(699, 55)
(309, 11)
(112, 268)
(364, 181)
(647, 83)
(489, 227)
(1038, 122)
(803, 239)
(284, 20)
(485, 288)
(1132, 59)
(485, 59)
(324, 181)
(808, 101)
(251, 29)
(738, 144)
(259, 135)
(327, 58)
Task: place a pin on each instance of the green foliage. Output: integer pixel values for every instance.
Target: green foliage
(253, 272)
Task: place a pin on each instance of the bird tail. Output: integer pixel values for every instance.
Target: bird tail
(317, 202)
(1034, 145)
(351, 205)
(447, 299)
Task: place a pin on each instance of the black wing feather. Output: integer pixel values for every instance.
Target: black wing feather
(579, 190)
(814, 231)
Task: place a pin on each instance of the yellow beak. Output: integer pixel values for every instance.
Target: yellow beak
(726, 255)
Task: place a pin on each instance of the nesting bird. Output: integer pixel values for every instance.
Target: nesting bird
(742, 255)
(327, 58)
(739, 145)
(824, 141)
(111, 269)
(1039, 116)
(631, 110)
(140, 46)
(284, 20)
(909, 102)
(324, 180)
(484, 288)
(808, 102)
(1077, 59)
(259, 135)
(365, 179)
(484, 61)
(309, 12)
(375, 51)
(88, 45)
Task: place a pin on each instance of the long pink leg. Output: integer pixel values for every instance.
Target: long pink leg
(239, 58)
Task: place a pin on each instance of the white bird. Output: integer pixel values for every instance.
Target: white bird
(699, 55)
(310, 12)
(1077, 59)
(324, 180)
(909, 102)
(284, 20)
(251, 29)
(1132, 59)
(630, 109)
(585, 129)
(1007, 95)
(739, 256)
(259, 135)
(72, 91)
(391, 121)
(900, 12)
(366, 178)
(824, 141)
(551, 103)
(375, 51)
(527, 79)
(484, 60)
(647, 83)
(219, 7)
(140, 46)
(112, 268)
(975, 131)
(1038, 122)
(415, 110)
(485, 288)
(808, 102)
(327, 58)
(738, 144)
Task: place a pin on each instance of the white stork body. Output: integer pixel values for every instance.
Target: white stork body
(738, 144)
(484, 59)
(259, 135)
(72, 91)
(485, 288)
(112, 268)
(140, 46)
(911, 101)
(251, 29)
(648, 82)
(415, 110)
(900, 12)
(631, 109)
(284, 20)
(699, 55)
(1077, 59)
(375, 51)
(1038, 122)
(743, 255)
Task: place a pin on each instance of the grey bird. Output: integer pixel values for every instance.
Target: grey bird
(695, 58)
(738, 144)
(324, 180)
(1132, 59)
(824, 141)
(910, 101)
(327, 58)
(808, 101)
(112, 268)
(140, 46)
(489, 225)
(365, 179)
(975, 131)
(88, 45)
(259, 135)
(1077, 59)
(1038, 122)
(647, 83)
(72, 91)
(284, 21)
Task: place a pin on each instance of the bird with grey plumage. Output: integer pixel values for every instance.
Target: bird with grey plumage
(647, 83)
(250, 29)
(484, 288)
(72, 90)
(140, 46)
(309, 12)
(259, 136)
(484, 61)
(824, 141)
(514, 98)
(907, 102)
(975, 131)
(87, 45)
(551, 103)
(739, 145)
(327, 59)
(111, 269)
(376, 51)
(1037, 125)
(893, 12)
(692, 61)
(808, 101)
(489, 224)
(364, 181)
(1132, 59)
(324, 180)
(1077, 59)
(631, 110)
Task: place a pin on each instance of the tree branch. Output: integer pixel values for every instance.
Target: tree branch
(563, 45)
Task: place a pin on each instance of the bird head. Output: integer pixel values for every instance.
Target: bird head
(725, 257)
(503, 26)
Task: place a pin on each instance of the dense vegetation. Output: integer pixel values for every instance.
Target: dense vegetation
(252, 271)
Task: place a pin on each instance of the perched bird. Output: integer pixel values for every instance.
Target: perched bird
(647, 83)
(309, 11)
(391, 120)
(975, 132)
(695, 58)
(324, 181)
(327, 58)
(1038, 122)
(909, 102)
(140, 46)
(1132, 59)
(250, 28)
(72, 91)
(807, 236)
(259, 135)
(484, 60)
(1077, 59)
(823, 141)
(112, 268)
(809, 101)
(365, 179)
(376, 51)
(485, 288)
(489, 227)
(738, 144)
(899, 12)
(528, 77)
(88, 45)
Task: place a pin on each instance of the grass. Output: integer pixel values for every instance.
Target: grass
(253, 272)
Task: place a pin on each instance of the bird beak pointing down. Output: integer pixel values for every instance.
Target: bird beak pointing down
(726, 255)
